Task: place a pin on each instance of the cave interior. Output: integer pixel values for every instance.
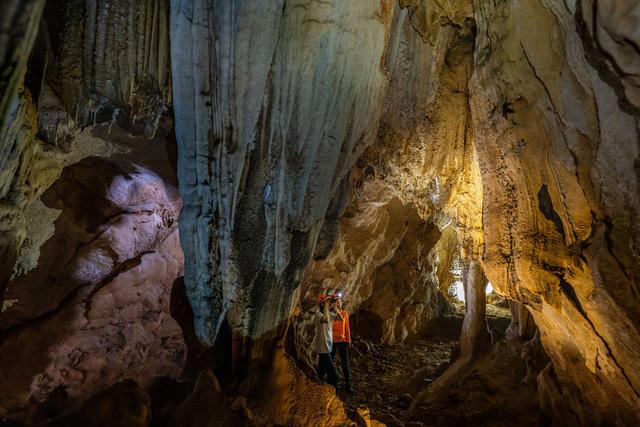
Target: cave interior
(181, 180)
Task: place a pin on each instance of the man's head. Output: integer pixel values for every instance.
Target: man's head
(334, 302)
(339, 302)
(324, 300)
(332, 298)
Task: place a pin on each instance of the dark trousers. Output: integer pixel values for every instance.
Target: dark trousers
(325, 367)
(343, 349)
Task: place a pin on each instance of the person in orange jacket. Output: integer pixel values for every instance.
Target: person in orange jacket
(342, 341)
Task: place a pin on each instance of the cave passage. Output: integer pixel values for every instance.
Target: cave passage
(404, 280)
(182, 180)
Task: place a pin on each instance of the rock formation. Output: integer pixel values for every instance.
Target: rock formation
(262, 152)
(96, 308)
(553, 134)
(367, 145)
(113, 63)
(382, 262)
(91, 246)
(19, 27)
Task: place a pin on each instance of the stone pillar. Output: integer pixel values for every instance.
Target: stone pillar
(474, 337)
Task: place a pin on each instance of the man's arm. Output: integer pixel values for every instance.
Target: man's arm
(336, 311)
(325, 314)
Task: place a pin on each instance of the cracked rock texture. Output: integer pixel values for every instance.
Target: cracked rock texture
(557, 143)
(87, 264)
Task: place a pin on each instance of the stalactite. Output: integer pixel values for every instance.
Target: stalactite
(114, 62)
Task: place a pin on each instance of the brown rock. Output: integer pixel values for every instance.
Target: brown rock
(207, 407)
(122, 405)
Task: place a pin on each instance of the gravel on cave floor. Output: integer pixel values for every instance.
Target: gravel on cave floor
(386, 378)
(494, 391)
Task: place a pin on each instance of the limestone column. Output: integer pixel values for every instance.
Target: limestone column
(474, 337)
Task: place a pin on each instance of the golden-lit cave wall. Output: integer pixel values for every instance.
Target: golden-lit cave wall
(537, 100)
(555, 119)
(519, 123)
(503, 118)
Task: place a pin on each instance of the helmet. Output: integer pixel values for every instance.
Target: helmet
(335, 294)
(323, 297)
(331, 296)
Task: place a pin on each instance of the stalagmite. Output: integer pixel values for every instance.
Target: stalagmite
(474, 336)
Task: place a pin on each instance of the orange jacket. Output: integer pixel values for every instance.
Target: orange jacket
(341, 331)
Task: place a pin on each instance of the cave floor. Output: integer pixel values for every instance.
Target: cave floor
(386, 378)
(492, 392)
(498, 390)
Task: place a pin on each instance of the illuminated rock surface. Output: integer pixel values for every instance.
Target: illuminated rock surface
(386, 148)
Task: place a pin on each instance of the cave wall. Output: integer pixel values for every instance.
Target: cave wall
(76, 53)
(18, 29)
(382, 261)
(517, 122)
(85, 305)
(95, 310)
(556, 128)
(546, 116)
(113, 60)
(527, 141)
(514, 121)
(424, 147)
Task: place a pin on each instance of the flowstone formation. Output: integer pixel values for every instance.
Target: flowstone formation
(366, 145)
(263, 151)
(558, 164)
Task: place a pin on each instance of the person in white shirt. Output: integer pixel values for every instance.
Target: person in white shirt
(327, 312)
